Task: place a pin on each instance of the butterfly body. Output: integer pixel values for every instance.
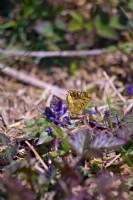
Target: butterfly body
(77, 100)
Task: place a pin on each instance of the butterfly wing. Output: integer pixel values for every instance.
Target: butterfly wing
(77, 100)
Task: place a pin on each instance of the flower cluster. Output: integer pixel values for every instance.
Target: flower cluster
(55, 113)
(129, 90)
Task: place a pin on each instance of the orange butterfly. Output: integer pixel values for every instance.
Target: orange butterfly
(77, 100)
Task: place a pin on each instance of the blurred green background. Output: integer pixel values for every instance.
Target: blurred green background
(64, 24)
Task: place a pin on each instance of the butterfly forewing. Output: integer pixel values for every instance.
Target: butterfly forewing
(77, 100)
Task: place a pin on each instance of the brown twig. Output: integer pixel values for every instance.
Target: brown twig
(43, 96)
(113, 160)
(4, 118)
(128, 107)
(25, 78)
(103, 107)
(38, 168)
(37, 155)
(44, 54)
(113, 86)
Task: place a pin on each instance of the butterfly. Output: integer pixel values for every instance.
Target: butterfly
(77, 100)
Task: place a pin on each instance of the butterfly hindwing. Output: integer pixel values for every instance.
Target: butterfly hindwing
(77, 100)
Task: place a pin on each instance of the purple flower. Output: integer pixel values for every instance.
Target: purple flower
(56, 110)
(48, 130)
(57, 107)
(129, 90)
(49, 114)
(66, 120)
(91, 112)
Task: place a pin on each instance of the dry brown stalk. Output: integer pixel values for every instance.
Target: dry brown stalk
(113, 86)
(37, 155)
(25, 78)
(44, 54)
(113, 160)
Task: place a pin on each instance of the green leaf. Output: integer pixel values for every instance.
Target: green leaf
(44, 138)
(43, 122)
(9, 24)
(73, 68)
(32, 135)
(65, 144)
(55, 154)
(74, 26)
(60, 24)
(116, 23)
(128, 158)
(77, 16)
(111, 48)
(44, 29)
(130, 5)
(88, 26)
(126, 47)
(30, 122)
(57, 131)
(103, 28)
(107, 32)
(40, 121)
